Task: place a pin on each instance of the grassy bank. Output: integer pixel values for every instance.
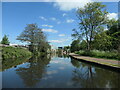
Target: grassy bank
(12, 52)
(100, 54)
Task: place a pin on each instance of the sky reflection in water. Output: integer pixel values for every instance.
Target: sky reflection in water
(58, 72)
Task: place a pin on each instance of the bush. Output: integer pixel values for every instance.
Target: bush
(100, 54)
(11, 52)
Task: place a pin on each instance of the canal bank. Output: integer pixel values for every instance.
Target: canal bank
(103, 62)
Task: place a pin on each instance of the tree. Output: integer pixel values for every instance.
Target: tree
(35, 37)
(5, 40)
(75, 45)
(102, 41)
(92, 18)
(83, 45)
(110, 39)
(114, 32)
(111, 23)
(66, 48)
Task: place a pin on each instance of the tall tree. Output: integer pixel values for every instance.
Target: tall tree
(92, 18)
(114, 32)
(35, 37)
(66, 48)
(5, 40)
(75, 46)
(83, 45)
(28, 35)
(102, 41)
(111, 23)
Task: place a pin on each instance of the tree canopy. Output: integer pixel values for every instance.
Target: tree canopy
(5, 40)
(91, 20)
(35, 37)
(75, 45)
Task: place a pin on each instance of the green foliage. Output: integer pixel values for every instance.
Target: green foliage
(35, 37)
(92, 18)
(75, 46)
(83, 45)
(100, 54)
(111, 23)
(11, 52)
(114, 33)
(5, 40)
(102, 41)
(67, 49)
(109, 39)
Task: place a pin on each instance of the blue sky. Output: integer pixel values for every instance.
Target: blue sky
(56, 19)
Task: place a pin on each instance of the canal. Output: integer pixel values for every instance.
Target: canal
(58, 71)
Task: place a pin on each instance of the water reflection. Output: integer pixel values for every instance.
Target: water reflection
(60, 55)
(59, 71)
(75, 63)
(9, 63)
(34, 72)
(63, 55)
(87, 76)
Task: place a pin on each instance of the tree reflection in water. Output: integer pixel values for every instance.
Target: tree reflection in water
(61, 55)
(32, 74)
(85, 76)
(9, 63)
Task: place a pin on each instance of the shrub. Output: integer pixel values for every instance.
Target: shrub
(100, 54)
(11, 52)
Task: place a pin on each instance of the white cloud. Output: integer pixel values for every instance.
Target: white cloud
(64, 14)
(51, 72)
(43, 18)
(47, 77)
(61, 68)
(112, 15)
(53, 18)
(59, 61)
(59, 22)
(61, 35)
(45, 25)
(67, 5)
(62, 40)
(56, 41)
(70, 20)
(50, 30)
(56, 20)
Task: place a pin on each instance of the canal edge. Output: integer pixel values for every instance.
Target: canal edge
(108, 65)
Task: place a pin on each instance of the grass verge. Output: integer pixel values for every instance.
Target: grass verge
(100, 54)
(12, 52)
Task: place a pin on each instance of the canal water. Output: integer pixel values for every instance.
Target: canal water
(58, 71)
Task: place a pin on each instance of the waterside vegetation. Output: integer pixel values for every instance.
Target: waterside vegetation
(13, 53)
(92, 39)
(100, 54)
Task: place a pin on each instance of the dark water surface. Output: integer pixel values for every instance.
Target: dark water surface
(58, 72)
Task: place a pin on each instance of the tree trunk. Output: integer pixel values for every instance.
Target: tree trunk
(88, 46)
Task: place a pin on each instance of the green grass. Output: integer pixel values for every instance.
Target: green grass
(100, 54)
(12, 52)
